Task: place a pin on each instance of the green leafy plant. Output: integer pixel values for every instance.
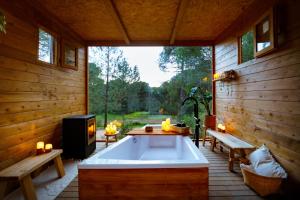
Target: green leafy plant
(202, 92)
(2, 22)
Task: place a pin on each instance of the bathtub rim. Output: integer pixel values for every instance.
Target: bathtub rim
(200, 162)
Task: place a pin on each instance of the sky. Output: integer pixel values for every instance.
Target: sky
(146, 58)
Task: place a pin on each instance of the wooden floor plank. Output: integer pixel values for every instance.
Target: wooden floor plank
(223, 184)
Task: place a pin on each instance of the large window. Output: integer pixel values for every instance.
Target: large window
(246, 47)
(47, 47)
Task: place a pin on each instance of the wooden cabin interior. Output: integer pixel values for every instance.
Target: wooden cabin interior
(260, 107)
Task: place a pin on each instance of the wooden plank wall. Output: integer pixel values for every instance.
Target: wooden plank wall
(34, 97)
(263, 105)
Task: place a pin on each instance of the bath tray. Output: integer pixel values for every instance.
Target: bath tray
(158, 131)
(180, 130)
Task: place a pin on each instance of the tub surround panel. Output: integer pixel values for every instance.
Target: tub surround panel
(165, 167)
(183, 184)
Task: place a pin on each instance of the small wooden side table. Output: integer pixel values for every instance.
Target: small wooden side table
(107, 136)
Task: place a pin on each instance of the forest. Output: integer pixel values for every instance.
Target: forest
(117, 92)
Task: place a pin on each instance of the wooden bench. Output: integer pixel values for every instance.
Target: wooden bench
(234, 144)
(22, 170)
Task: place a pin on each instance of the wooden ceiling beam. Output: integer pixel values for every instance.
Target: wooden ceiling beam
(110, 6)
(150, 43)
(179, 15)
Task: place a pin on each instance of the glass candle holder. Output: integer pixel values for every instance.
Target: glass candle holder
(48, 148)
(40, 148)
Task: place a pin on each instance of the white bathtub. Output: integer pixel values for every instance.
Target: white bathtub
(145, 151)
(145, 167)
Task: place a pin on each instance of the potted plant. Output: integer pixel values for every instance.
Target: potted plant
(202, 92)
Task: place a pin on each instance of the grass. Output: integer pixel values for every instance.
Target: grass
(136, 118)
(140, 119)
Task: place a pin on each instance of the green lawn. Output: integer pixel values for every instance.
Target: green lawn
(140, 119)
(137, 118)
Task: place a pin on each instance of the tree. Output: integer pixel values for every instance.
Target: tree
(118, 75)
(96, 87)
(189, 63)
(247, 47)
(124, 76)
(107, 58)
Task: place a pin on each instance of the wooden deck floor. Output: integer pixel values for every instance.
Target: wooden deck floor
(222, 183)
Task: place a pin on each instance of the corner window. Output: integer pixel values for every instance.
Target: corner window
(47, 47)
(246, 47)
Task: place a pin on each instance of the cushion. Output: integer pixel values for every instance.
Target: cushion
(260, 155)
(263, 163)
(271, 169)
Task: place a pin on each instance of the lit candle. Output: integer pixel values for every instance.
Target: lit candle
(48, 148)
(165, 125)
(40, 147)
(216, 76)
(221, 128)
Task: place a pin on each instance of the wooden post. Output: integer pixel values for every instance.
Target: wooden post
(3, 185)
(59, 166)
(27, 188)
(86, 51)
(242, 153)
(214, 140)
(213, 82)
(231, 159)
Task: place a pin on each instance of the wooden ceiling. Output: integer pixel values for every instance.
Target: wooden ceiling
(157, 22)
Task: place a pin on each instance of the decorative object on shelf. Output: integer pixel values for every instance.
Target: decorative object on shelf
(202, 92)
(221, 128)
(2, 23)
(229, 75)
(48, 148)
(216, 76)
(264, 34)
(148, 128)
(40, 148)
(165, 125)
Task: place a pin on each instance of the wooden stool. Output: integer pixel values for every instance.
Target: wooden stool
(110, 135)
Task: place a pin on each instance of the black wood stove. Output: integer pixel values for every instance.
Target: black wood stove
(79, 136)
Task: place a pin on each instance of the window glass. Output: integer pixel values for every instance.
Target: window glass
(46, 47)
(263, 36)
(70, 56)
(247, 50)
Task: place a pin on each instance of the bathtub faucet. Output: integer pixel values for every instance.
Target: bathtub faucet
(197, 119)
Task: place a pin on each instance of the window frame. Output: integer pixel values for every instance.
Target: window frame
(65, 43)
(240, 51)
(55, 47)
(273, 44)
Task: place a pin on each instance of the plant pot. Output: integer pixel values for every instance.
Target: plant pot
(210, 121)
